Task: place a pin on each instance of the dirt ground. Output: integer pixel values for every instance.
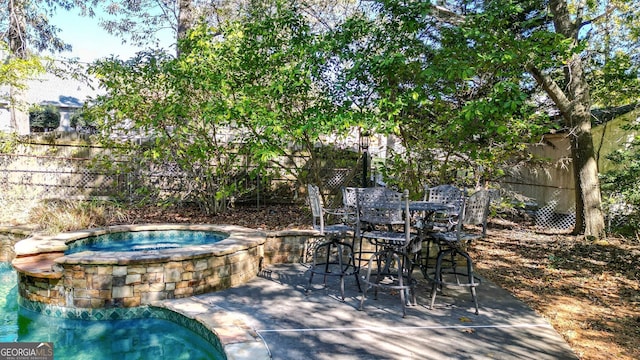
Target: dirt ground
(589, 291)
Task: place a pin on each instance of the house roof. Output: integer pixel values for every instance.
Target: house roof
(49, 89)
(52, 90)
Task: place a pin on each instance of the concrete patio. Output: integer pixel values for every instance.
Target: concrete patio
(272, 317)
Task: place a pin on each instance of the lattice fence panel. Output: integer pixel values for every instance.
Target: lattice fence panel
(547, 218)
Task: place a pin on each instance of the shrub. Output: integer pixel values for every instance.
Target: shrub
(82, 123)
(621, 190)
(44, 118)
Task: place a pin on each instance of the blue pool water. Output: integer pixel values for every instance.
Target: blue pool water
(145, 240)
(150, 339)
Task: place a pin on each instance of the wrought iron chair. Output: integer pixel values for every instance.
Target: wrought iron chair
(440, 221)
(446, 194)
(334, 256)
(389, 229)
(453, 243)
(350, 203)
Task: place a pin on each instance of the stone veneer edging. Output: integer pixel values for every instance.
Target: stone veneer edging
(9, 236)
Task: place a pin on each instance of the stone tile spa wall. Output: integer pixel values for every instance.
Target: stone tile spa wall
(128, 279)
(119, 279)
(9, 236)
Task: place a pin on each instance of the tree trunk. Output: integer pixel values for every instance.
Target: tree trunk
(17, 32)
(589, 216)
(575, 105)
(16, 37)
(185, 19)
(19, 118)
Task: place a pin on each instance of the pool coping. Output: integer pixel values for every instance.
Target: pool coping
(239, 340)
(238, 236)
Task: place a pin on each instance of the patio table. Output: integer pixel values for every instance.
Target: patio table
(427, 209)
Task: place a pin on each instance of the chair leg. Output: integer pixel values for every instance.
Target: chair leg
(367, 282)
(427, 255)
(315, 262)
(356, 271)
(343, 269)
(438, 279)
(472, 280)
(384, 260)
(400, 284)
(411, 290)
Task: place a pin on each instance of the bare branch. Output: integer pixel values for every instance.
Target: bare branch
(445, 15)
(608, 11)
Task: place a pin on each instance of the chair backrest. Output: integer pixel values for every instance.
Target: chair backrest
(476, 209)
(447, 194)
(380, 206)
(350, 197)
(315, 201)
(350, 204)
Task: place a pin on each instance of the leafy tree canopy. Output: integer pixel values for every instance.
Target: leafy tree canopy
(241, 92)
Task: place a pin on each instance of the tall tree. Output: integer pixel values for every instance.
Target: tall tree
(17, 31)
(185, 17)
(559, 43)
(489, 57)
(238, 98)
(406, 72)
(574, 102)
(139, 22)
(16, 38)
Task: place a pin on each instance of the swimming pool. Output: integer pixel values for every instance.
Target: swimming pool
(148, 338)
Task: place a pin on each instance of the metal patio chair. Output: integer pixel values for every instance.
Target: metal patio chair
(388, 227)
(445, 194)
(440, 220)
(453, 243)
(334, 256)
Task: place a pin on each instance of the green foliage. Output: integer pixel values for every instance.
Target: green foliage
(8, 143)
(80, 121)
(13, 70)
(612, 52)
(462, 107)
(621, 187)
(244, 93)
(238, 97)
(616, 81)
(44, 118)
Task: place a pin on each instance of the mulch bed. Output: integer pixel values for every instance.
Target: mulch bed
(589, 291)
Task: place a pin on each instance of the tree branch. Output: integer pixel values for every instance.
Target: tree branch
(446, 15)
(551, 88)
(607, 12)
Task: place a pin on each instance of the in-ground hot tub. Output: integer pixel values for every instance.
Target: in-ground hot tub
(105, 278)
(144, 240)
